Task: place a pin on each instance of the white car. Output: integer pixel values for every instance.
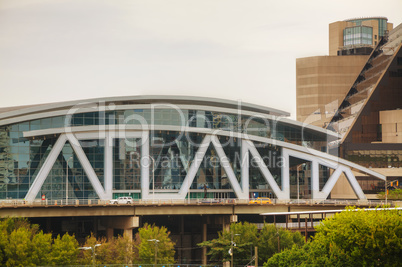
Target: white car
(122, 200)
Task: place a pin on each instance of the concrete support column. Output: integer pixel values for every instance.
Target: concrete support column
(109, 233)
(180, 252)
(204, 238)
(48, 225)
(95, 226)
(225, 223)
(129, 233)
(226, 220)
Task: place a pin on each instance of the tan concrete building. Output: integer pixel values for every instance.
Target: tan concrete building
(391, 123)
(357, 92)
(321, 83)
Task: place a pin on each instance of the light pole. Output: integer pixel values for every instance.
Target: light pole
(232, 245)
(386, 191)
(391, 183)
(93, 252)
(67, 179)
(156, 241)
(279, 244)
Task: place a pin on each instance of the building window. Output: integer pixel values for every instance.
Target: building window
(399, 61)
(358, 35)
(375, 37)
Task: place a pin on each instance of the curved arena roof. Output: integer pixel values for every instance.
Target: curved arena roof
(21, 113)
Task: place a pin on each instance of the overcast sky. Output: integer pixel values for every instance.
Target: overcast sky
(55, 50)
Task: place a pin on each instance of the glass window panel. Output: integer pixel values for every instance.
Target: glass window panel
(23, 126)
(58, 122)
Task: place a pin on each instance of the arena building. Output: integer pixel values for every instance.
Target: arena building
(164, 148)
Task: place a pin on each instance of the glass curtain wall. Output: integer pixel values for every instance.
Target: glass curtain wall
(272, 158)
(22, 158)
(359, 35)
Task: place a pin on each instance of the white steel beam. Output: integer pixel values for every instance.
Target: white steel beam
(245, 165)
(86, 165)
(188, 180)
(242, 193)
(266, 173)
(315, 179)
(108, 166)
(353, 182)
(46, 168)
(339, 168)
(146, 162)
(330, 184)
(138, 128)
(195, 165)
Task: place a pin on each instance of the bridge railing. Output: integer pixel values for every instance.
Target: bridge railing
(293, 225)
(206, 201)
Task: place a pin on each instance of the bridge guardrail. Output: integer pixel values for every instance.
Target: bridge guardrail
(206, 201)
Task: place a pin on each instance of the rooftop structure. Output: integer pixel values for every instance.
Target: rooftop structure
(357, 36)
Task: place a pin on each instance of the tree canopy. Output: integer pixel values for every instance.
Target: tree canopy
(118, 250)
(246, 236)
(392, 194)
(23, 244)
(350, 238)
(161, 243)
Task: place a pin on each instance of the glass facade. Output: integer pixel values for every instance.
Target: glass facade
(362, 34)
(76, 184)
(175, 153)
(126, 164)
(22, 158)
(382, 24)
(359, 35)
(376, 158)
(253, 125)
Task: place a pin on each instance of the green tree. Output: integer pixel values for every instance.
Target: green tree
(64, 250)
(106, 253)
(289, 257)
(41, 248)
(350, 238)
(85, 256)
(244, 236)
(114, 251)
(146, 249)
(18, 248)
(124, 246)
(3, 242)
(269, 243)
(392, 194)
(23, 244)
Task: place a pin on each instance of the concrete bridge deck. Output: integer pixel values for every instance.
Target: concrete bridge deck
(73, 208)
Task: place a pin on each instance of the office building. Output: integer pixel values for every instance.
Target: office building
(356, 91)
